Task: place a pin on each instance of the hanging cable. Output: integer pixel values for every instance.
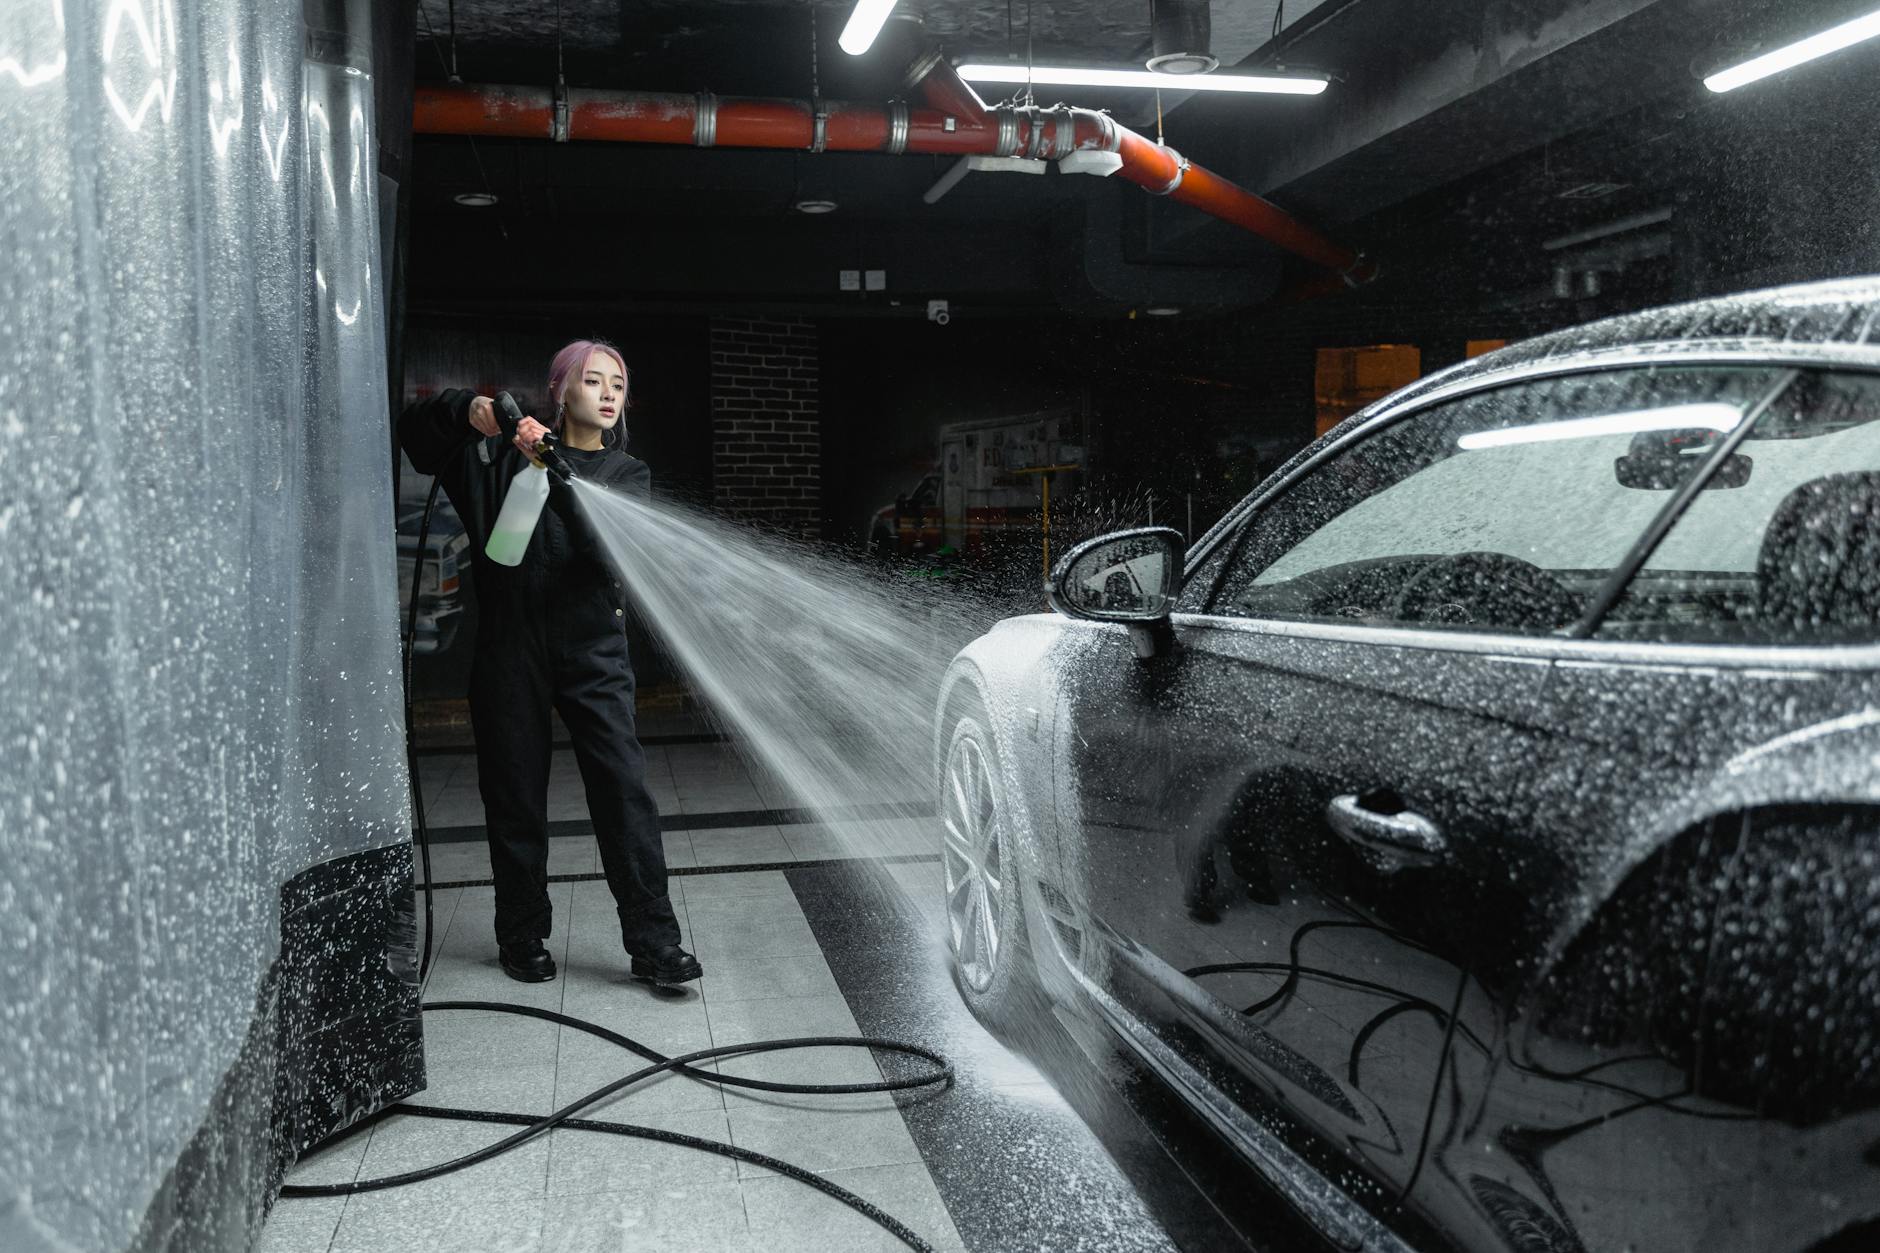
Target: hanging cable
(1160, 142)
(450, 68)
(1029, 101)
(819, 117)
(815, 56)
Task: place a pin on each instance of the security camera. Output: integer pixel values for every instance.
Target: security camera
(937, 312)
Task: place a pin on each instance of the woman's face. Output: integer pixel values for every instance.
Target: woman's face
(596, 395)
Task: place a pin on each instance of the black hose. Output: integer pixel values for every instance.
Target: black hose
(533, 1125)
(411, 744)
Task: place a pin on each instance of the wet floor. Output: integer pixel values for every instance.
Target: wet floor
(804, 929)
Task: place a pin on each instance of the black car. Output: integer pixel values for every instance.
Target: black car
(1479, 827)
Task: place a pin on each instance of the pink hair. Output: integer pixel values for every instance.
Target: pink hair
(567, 366)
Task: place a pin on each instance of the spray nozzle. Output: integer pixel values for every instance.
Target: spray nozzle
(547, 449)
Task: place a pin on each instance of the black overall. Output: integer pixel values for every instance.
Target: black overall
(552, 634)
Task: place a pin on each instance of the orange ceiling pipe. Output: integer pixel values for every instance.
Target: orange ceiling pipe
(954, 122)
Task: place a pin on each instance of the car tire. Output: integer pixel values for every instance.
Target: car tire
(982, 881)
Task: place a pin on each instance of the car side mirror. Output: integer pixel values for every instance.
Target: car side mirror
(1131, 577)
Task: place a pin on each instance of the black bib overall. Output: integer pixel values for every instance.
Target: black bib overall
(551, 635)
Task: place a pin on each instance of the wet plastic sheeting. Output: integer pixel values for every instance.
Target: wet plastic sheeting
(197, 595)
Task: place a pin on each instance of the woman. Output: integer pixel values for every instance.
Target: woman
(552, 634)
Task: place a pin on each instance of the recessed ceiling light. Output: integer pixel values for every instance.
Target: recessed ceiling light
(1162, 311)
(815, 205)
(1184, 63)
(475, 199)
(1070, 76)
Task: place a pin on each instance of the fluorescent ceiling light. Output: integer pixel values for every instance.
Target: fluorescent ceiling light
(865, 22)
(1710, 417)
(1068, 76)
(1832, 40)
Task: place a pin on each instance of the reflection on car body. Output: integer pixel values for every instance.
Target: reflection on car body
(1487, 845)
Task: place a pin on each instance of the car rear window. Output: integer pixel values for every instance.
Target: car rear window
(1792, 554)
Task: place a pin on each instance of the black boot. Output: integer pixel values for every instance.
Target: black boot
(667, 965)
(527, 961)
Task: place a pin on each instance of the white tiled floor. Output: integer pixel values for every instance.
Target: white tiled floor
(575, 1192)
(765, 978)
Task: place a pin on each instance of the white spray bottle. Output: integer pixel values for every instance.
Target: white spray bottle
(528, 492)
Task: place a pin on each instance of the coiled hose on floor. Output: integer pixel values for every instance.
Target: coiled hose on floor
(533, 1126)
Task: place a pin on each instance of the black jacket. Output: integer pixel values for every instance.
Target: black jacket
(476, 472)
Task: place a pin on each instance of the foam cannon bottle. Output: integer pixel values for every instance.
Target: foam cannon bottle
(528, 491)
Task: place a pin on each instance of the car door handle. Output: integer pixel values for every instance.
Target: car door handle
(1404, 838)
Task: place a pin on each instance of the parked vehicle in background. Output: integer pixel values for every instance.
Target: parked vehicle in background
(988, 483)
(1479, 828)
(446, 561)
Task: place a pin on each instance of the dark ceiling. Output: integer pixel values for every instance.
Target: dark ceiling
(1425, 97)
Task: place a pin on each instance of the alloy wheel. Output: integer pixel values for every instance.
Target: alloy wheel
(975, 864)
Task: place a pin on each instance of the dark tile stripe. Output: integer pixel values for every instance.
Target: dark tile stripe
(714, 820)
(899, 859)
(646, 741)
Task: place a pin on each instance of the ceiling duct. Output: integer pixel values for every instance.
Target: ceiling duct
(1179, 32)
(955, 122)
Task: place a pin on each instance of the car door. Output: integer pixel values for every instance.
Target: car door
(1695, 1064)
(1310, 834)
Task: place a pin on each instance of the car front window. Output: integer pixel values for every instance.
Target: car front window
(1505, 511)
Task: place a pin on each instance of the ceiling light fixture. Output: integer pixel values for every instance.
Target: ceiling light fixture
(1832, 40)
(1071, 76)
(815, 204)
(475, 199)
(865, 22)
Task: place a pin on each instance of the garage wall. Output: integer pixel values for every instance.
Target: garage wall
(766, 421)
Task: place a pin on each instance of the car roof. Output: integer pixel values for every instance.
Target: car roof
(1843, 312)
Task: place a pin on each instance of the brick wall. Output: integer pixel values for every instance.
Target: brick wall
(766, 421)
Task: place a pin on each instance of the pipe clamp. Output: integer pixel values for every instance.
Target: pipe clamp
(1008, 131)
(1181, 172)
(900, 121)
(705, 120)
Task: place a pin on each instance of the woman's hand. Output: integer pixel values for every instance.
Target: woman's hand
(483, 416)
(528, 433)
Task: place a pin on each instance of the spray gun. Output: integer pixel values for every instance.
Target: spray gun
(528, 492)
(547, 449)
